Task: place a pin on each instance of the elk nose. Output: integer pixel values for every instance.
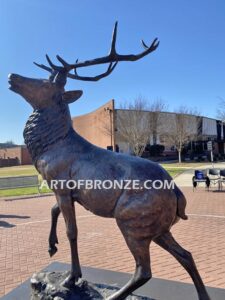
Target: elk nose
(13, 81)
(11, 76)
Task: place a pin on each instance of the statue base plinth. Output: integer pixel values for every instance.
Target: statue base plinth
(48, 286)
(156, 288)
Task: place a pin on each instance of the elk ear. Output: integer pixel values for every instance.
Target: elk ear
(71, 96)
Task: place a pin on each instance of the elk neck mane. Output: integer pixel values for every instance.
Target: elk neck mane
(45, 127)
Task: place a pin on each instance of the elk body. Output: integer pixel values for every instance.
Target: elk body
(59, 153)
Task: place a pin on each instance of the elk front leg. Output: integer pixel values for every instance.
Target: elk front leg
(67, 208)
(53, 235)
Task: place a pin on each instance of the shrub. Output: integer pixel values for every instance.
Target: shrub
(156, 150)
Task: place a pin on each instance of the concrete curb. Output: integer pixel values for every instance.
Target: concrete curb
(25, 197)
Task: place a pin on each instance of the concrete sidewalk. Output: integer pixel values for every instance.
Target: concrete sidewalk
(185, 179)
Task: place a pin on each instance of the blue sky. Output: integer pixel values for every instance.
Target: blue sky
(188, 68)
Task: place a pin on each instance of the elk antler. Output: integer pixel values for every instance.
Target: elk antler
(55, 69)
(111, 67)
(112, 57)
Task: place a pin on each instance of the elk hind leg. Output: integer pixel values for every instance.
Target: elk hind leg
(140, 251)
(167, 242)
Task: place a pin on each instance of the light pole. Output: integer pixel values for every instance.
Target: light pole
(109, 111)
(223, 135)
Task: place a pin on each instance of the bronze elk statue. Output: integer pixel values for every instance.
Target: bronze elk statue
(60, 153)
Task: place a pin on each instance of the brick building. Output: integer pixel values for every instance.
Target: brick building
(18, 155)
(100, 127)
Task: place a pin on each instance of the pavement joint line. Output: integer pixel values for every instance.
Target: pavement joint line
(207, 216)
(49, 220)
(91, 216)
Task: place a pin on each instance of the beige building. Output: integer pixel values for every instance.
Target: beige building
(101, 127)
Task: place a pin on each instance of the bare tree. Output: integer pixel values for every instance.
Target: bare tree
(181, 128)
(221, 110)
(7, 144)
(133, 125)
(155, 109)
(137, 122)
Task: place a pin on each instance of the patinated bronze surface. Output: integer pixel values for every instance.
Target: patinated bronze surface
(48, 285)
(59, 153)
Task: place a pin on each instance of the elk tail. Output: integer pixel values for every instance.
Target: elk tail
(181, 204)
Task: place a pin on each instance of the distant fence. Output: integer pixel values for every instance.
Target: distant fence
(9, 162)
(19, 182)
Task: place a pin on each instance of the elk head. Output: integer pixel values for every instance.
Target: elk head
(41, 93)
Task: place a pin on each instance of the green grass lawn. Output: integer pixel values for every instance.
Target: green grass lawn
(173, 170)
(185, 165)
(20, 171)
(22, 192)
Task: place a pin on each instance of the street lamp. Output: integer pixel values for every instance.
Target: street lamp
(109, 111)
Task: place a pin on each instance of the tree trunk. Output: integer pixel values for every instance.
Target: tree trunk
(179, 156)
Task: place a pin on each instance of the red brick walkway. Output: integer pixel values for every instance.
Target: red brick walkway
(24, 241)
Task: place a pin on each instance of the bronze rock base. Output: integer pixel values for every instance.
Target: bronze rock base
(48, 286)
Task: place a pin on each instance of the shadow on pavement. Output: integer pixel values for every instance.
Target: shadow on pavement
(8, 225)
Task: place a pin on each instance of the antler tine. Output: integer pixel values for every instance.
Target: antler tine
(75, 70)
(111, 67)
(43, 67)
(51, 70)
(53, 66)
(64, 63)
(113, 44)
(153, 46)
(144, 45)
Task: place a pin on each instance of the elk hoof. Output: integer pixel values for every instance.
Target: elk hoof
(52, 250)
(71, 280)
(204, 296)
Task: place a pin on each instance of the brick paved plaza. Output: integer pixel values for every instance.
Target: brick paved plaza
(24, 228)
